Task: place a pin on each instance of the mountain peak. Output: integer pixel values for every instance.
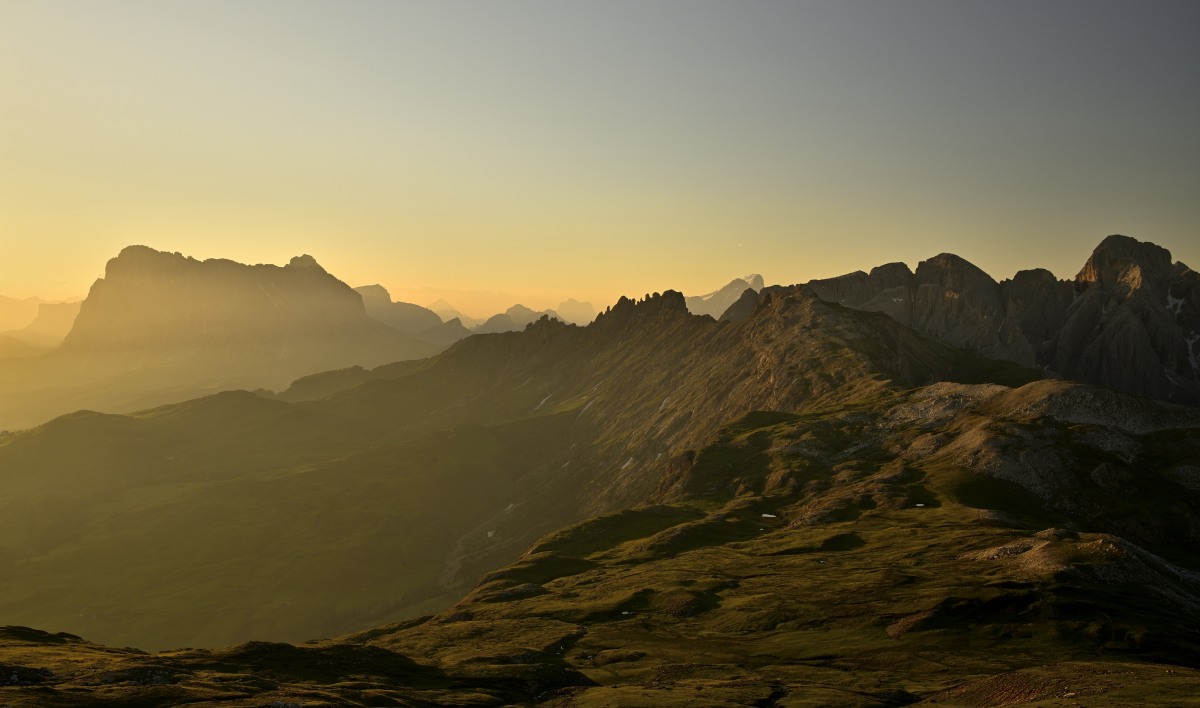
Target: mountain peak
(305, 262)
(374, 293)
(1109, 264)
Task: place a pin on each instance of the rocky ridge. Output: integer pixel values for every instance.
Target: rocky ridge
(1129, 320)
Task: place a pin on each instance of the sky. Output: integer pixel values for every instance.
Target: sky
(488, 153)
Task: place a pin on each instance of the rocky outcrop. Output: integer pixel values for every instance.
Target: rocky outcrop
(1133, 323)
(1129, 320)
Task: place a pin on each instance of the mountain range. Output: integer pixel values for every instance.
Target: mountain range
(1128, 320)
(870, 490)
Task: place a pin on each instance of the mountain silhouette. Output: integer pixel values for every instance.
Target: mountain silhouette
(513, 319)
(161, 326)
(714, 304)
(420, 322)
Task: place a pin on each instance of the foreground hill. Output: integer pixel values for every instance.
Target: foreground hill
(162, 327)
(953, 545)
(235, 516)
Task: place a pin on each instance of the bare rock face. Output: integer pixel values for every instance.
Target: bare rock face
(958, 303)
(1132, 325)
(1036, 302)
(1129, 320)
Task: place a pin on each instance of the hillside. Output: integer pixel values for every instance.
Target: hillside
(227, 514)
(891, 551)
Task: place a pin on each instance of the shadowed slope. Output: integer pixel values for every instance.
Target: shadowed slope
(906, 550)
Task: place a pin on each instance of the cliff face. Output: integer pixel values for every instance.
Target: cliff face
(1133, 322)
(1129, 320)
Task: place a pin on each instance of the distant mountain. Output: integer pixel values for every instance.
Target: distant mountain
(13, 348)
(51, 325)
(513, 319)
(448, 312)
(714, 304)
(421, 322)
(15, 314)
(164, 327)
(403, 316)
(1130, 320)
(573, 311)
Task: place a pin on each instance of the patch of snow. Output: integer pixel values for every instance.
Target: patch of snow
(664, 403)
(1175, 304)
(627, 463)
(565, 464)
(627, 612)
(897, 299)
(585, 408)
(920, 505)
(547, 398)
(1193, 357)
(508, 509)
(491, 533)
(657, 456)
(769, 516)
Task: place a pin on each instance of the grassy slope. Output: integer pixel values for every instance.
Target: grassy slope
(842, 556)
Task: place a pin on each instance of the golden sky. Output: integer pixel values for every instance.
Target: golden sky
(490, 153)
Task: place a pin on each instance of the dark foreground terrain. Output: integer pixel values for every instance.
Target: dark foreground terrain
(953, 544)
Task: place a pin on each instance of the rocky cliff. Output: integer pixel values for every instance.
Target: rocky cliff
(1129, 319)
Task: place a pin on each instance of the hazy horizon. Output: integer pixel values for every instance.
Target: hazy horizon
(531, 152)
(481, 304)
